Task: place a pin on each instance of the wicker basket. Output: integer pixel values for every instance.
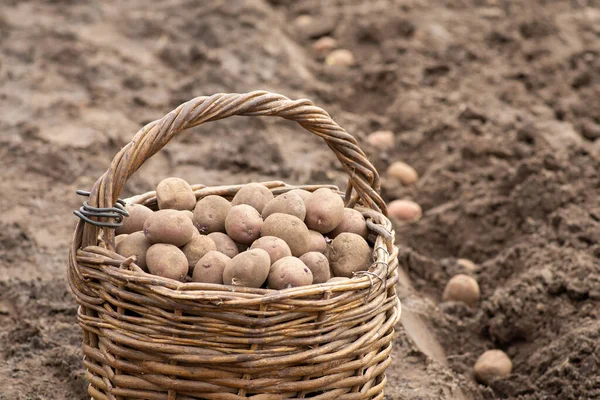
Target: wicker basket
(147, 337)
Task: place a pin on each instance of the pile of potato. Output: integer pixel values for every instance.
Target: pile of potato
(257, 240)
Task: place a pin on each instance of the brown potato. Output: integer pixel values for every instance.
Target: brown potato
(287, 203)
(324, 210)
(381, 140)
(276, 247)
(168, 261)
(289, 228)
(175, 194)
(248, 269)
(289, 272)
(210, 214)
(188, 213)
(317, 242)
(225, 244)
(196, 248)
(467, 265)
(353, 222)
(318, 265)
(405, 210)
(402, 173)
(302, 193)
(340, 58)
(209, 269)
(491, 365)
(135, 244)
(135, 222)
(170, 227)
(462, 288)
(243, 224)
(119, 239)
(349, 253)
(253, 194)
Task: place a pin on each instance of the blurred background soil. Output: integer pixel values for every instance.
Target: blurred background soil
(495, 103)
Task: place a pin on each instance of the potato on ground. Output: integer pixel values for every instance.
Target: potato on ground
(353, 222)
(491, 365)
(318, 265)
(243, 224)
(289, 272)
(248, 269)
(134, 244)
(209, 269)
(224, 243)
(253, 194)
(287, 203)
(402, 173)
(289, 228)
(302, 193)
(324, 210)
(349, 253)
(276, 247)
(135, 222)
(405, 210)
(317, 242)
(196, 248)
(176, 194)
(462, 288)
(210, 214)
(170, 227)
(168, 261)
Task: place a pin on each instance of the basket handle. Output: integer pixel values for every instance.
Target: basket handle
(363, 183)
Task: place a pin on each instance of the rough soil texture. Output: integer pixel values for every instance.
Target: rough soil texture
(495, 103)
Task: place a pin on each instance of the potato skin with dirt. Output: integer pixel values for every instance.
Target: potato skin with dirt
(168, 261)
(287, 203)
(176, 194)
(353, 222)
(170, 227)
(243, 224)
(134, 244)
(224, 243)
(248, 269)
(196, 248)
(349, 253)
(318, 265)
(324, 210)
(289, 272)
(210, 214)
(276, 247)
(209, 269)
(138, 214)
(317, 242)
(289, 228)
(253, 194)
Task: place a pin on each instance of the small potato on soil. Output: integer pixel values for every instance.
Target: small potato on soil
(405, 210)
(287, 203)
(243, 224)
(248, 269)
(402, 173)
(225, 244)
(302, 193)
(324, 45)
(349, 253)
(353, 222)
(196, 248)
(467, 265)
(170, 227)
(168, 261)
(289, 228)
(317, 242)
(134, 244)
(324, 210)
(276, 247)
(491, 365)
(289, 272)
(462, 288)
(176, 194)
(341, 58)
(253, 194)
(209, 269)
(381, 140)
(318, 265)
(135, 222)
(210, 214)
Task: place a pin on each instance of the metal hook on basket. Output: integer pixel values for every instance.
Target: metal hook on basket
(86, 211)
(370, 275)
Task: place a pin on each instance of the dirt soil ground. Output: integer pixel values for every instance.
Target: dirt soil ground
(496, 104)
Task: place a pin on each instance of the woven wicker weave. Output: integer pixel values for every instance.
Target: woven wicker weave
(147, 337)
